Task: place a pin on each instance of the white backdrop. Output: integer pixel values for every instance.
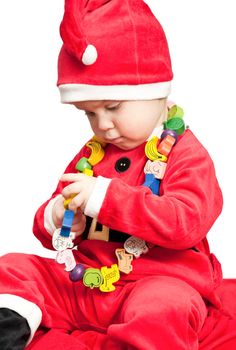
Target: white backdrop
(39, 135)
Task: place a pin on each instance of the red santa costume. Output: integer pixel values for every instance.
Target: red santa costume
(169, 300)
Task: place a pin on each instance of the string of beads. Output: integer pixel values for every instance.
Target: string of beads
(157, 151)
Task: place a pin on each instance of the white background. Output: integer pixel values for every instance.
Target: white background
(39, 136)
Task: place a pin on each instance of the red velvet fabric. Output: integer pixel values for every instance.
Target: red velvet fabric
(176, 222)
(223, 336)
(174, 288)
(136, 61)
(132, 317)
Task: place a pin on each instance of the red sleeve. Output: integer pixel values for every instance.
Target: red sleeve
(38, 226)
(190, 201)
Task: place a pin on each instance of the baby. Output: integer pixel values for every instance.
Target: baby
(136, 202)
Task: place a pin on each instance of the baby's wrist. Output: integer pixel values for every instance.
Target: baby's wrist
(57, 207)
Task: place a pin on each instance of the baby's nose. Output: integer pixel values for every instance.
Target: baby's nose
(104, 123)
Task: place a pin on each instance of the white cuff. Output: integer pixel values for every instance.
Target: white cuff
(25, 308)
(97, 197)
(48, 220)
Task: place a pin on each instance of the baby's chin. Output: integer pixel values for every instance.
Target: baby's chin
(128, 145)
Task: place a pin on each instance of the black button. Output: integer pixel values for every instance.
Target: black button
(122, 164)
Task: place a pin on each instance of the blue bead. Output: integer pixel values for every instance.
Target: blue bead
(67, 223)
(152, 183)
(155, 186)
(148, 179)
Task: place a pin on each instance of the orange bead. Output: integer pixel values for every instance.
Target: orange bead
(166, 145)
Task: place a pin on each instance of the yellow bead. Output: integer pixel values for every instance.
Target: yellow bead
(151, 148)
(67, 201)
(88, 172)
(110, 275)
(96, 139)
(97, 152)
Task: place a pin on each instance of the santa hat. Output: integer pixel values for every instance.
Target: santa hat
(112, 50)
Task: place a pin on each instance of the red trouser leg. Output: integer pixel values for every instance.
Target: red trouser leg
(44, 283)
(75, 314)
(161, 313)
(153, 313)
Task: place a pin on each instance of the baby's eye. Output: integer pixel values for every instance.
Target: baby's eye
(90, 114)
(113, 108)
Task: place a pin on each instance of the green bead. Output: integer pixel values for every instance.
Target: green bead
(176, 124)
(175, 112)
(92, 278)
(83, 164)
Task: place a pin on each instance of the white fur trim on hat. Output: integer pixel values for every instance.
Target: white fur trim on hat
(83, 92)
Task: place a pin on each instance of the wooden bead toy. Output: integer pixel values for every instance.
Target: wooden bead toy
(176, 124)
(152, 182)
(92, 278)
(66, 257)
(67, 223)
(151, 148)
(156, 168)
(83, 164)
(135, 246)
(165, 146)
(88, 172)
(97, 153)
(124, 260)
(77, 273)
(110, 276)
(169, 132)
(60, 242)
(175, 112)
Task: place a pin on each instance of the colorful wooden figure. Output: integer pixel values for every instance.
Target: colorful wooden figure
(169, 132)
(61, 243)
(124, 260)
(175, 111)
(176, 124)
(135, 246)
(67, 223)
(83, 164)
(110, 276)
(66, 257)
(77, 273)
(156, 168)
(92, 278)
(165, 146)
(152, 183)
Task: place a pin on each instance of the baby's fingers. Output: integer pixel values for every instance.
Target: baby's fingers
(72, 177)
(77, 202)
(71, 189)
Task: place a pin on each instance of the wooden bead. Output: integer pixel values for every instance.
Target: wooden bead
(110, 276)
(83, 164)
(166, 145)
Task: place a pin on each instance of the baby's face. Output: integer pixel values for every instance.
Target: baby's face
(126, 124)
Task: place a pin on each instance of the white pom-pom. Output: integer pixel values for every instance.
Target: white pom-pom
(90, 55)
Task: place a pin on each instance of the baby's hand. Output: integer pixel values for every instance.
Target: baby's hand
(58, 211)
(81, 187)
